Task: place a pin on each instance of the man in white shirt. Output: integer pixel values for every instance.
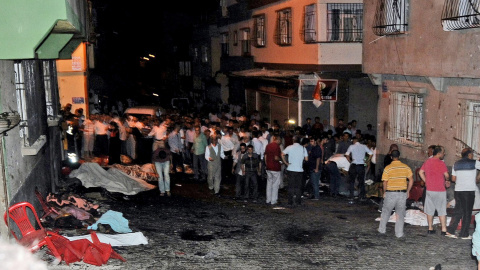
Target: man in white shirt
(214, 154)
(296, 155)
(257, 143)
(335, 165)
(357, 167)
(159, 133)
(228, 142)
(101, 137)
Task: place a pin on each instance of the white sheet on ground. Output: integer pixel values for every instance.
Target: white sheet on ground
(415, 217)
(93, 175)
(116, 240)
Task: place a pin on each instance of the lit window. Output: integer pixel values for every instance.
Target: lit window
(345, 22)
(461, 14)
(310, 26)
(245, 39)
(225, 44)
(468, 129)
(406, 118)
(259, 28)
(283, 35)
(391, 17)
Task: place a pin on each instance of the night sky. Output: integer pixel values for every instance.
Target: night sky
(127, 31)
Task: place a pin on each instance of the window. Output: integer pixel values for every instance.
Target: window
(406, 118)
(310, 32)
(468, 131)
(461, 14)
(283, 33)
(32, 111)
(204, 54)
(245, 39)
(184, 68)
(345, 22)
(223, 6)
(235, 38)
(391, 17)
(259, 28)
(225, 44)
(51, 88)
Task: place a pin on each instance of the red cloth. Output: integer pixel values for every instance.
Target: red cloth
(434, 174)
(272, 150)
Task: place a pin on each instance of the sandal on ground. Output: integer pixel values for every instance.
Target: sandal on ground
(449, 235)
(431, 231)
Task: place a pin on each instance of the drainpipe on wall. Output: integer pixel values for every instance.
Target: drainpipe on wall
(4, 201)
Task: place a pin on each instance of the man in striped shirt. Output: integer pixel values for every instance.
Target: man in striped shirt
(396, 193)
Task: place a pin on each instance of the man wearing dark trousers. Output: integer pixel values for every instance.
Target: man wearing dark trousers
(296, 155)
(464, 174)
(357, 167)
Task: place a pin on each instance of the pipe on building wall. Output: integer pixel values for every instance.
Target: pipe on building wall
(4, 200)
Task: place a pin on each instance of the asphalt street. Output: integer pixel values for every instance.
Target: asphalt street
(194, 229)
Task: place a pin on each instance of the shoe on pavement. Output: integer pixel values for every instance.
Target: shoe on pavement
(467, 237)
(431, 232)
(449, 235)
(443, 233)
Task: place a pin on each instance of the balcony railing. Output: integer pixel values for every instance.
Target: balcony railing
(461, 14)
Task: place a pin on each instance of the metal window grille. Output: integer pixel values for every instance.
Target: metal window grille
(225, 45)
(283, 33)
(406, 118)
(245, 39)
(21, 100)
(49, 82)
(460, 14)
(345, 22)
(468, 129)
(259, 31)
(310, 26)
(391, 17)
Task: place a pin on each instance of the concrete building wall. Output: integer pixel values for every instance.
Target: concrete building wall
(22, 173)
(426, 50)
(442, 118)
(300, 52)
(361, 92)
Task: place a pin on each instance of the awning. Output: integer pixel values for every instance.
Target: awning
(265, 73)
(47, 29)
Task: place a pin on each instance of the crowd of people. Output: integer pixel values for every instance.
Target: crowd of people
(231, 146)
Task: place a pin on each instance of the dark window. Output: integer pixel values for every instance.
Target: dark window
(225, 45)
(245, 39)
(310, 26)
(345, 22)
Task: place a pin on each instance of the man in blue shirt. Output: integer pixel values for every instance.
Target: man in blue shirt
(357, 167)
(296, 155)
